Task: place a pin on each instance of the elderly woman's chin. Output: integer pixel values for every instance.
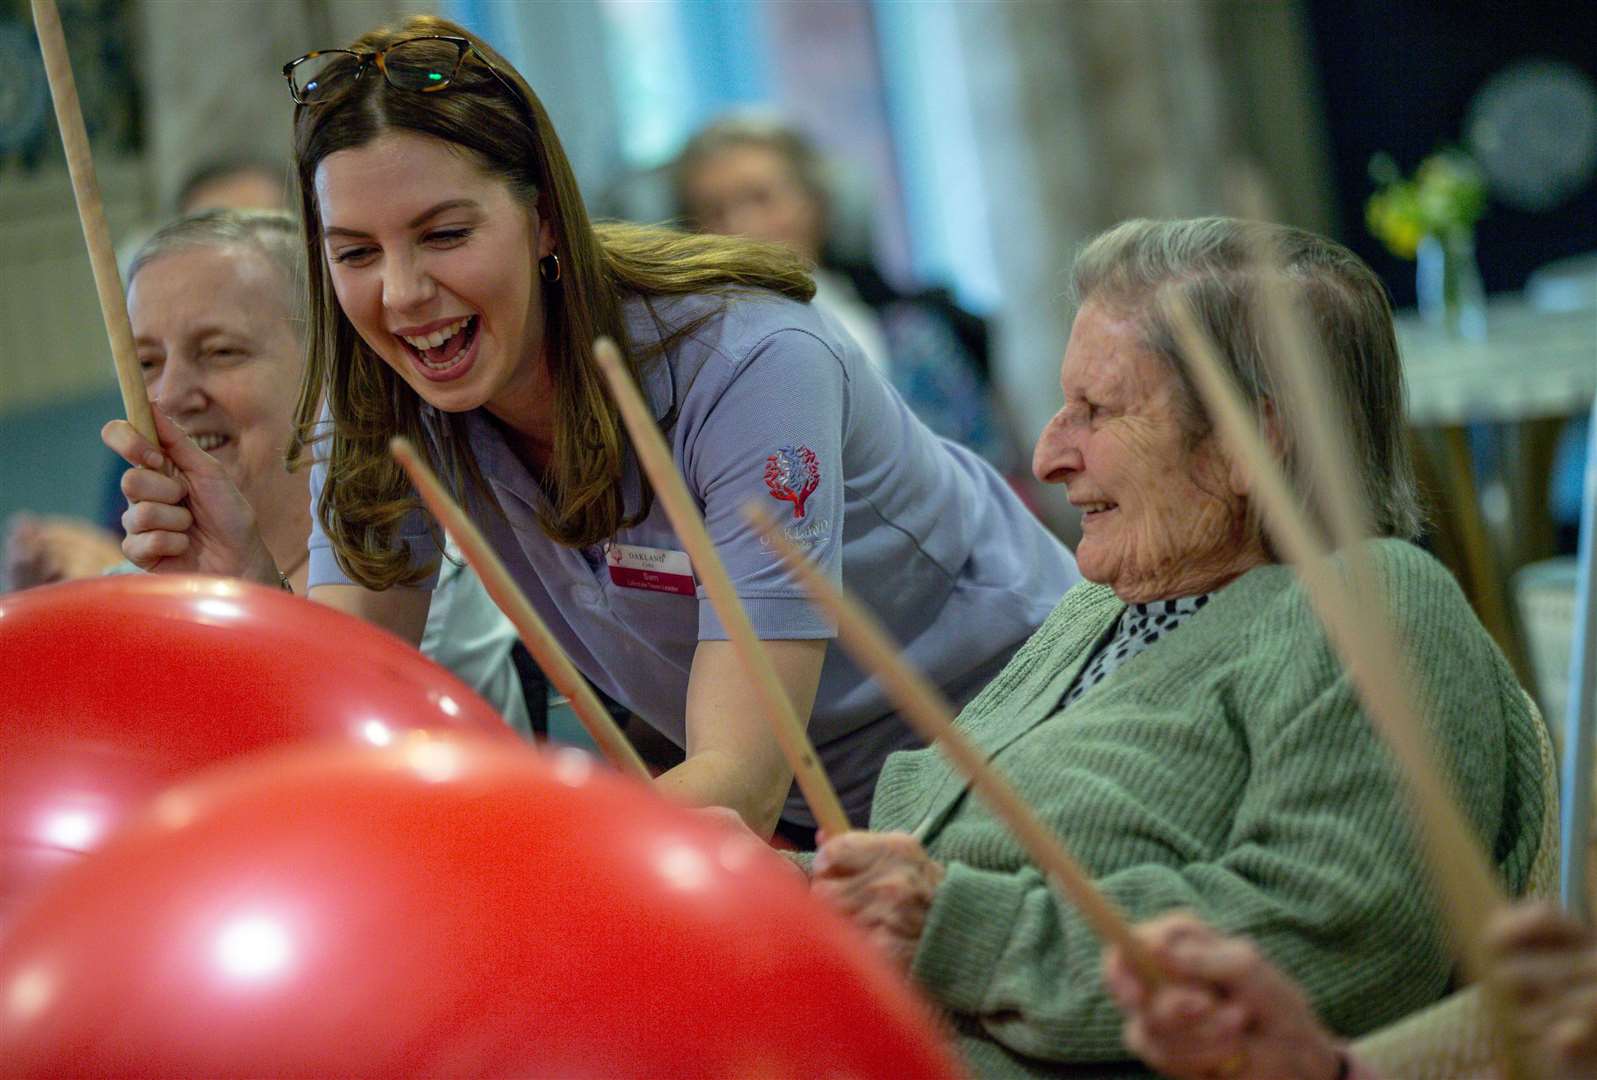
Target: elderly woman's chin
(1187, 554)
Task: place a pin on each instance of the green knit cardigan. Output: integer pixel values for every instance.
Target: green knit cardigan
(1226, 770)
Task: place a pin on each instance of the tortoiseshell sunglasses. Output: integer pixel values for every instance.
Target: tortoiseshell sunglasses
(412, 64)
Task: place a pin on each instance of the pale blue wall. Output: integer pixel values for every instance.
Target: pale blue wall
(51, 458)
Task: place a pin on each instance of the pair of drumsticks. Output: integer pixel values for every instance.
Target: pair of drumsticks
(1356, 621)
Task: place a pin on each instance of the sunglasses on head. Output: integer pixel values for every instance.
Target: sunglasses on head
(416, 64)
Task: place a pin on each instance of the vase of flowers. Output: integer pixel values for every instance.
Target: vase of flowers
(1431, 218)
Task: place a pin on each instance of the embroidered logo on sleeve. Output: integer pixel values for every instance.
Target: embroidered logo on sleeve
(793, 473)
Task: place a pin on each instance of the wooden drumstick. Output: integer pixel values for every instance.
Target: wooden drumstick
(929, 713)
(1368, 646)
(655, 457)
(1298, 359)
(91, 215)
(534, 634)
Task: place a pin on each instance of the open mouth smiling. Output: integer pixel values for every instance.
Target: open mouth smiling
(209, 441)
(441, 349)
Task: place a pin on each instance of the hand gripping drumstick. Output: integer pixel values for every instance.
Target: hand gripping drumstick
(534, 634)
(1367, 645)
(655, 458)
(91, 215)
(929, 713)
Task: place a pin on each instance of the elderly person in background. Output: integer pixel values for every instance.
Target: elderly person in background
(1180, 719)
(751, 175)
(218, 319)
(1224, 1009)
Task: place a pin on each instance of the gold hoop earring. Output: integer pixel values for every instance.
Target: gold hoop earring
(549, 268)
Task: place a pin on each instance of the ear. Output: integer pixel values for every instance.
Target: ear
(1237, 475)
(546, 235)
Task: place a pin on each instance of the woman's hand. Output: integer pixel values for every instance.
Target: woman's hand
(1223, 1012)
(734, 824)
(1546, 967)
(884, 883)
(191, 520)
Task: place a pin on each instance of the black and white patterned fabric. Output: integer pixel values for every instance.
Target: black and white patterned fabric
(1140, 625)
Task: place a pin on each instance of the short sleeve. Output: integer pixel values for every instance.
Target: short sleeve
(773, 439)
(324, 568)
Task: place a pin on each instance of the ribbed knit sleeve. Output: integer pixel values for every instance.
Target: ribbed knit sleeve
(1228, 771)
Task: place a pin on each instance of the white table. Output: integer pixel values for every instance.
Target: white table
(1535, 366)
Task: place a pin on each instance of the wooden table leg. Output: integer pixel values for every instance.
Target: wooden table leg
(1463, 542)
(1529, 448)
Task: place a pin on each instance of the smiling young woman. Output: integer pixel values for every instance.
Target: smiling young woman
(456, 286)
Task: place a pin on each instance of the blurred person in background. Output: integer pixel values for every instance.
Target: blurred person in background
(236, 183)
(753, 176)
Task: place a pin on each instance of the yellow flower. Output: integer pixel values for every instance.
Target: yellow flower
(1392, 216)
(1447, 192)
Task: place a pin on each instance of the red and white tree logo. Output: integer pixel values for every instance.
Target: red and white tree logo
(793, 473)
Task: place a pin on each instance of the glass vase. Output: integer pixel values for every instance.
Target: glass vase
(1448, 283)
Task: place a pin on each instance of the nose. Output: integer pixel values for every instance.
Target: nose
(1057, 456)
(748, 216)
(179, 387)
(407, 286)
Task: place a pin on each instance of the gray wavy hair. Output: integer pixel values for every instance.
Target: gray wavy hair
(1213, 263)
(275, 234)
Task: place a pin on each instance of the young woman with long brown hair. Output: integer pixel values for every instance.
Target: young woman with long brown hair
(456, 287)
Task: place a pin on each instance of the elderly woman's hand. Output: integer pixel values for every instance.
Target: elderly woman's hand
(1546, 965)
(1224, 1012)
(884, 882)
(191, 519)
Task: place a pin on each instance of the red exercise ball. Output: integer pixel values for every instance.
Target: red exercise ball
(111, 688)
(443, 907)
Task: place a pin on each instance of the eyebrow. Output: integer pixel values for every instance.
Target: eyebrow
(198, 333)
(424, 216)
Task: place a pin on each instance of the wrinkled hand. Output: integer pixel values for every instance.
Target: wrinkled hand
(884, 883)
(733, 823)
(45, 550)
(192, 520)
(1546, 965)
(1224, 1011)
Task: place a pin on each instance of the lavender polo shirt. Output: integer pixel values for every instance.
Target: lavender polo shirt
(775, 404)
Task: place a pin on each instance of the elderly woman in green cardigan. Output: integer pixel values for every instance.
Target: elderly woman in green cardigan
(1180, 719)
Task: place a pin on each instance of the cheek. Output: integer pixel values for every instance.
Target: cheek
(1135, 458)
(487, 282)
(346, 292)
(264, 387)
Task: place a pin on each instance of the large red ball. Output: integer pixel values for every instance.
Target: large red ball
(443, 907)
(111, 688)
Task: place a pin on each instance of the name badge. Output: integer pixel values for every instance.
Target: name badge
(655, 569)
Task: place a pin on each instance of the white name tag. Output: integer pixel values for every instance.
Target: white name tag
(654, 569)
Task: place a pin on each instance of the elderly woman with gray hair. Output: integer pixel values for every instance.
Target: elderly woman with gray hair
(1180, 719)
(217, 309)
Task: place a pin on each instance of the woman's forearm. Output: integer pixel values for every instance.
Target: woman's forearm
(716, 778)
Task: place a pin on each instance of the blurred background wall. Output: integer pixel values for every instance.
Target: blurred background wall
(983, 142)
